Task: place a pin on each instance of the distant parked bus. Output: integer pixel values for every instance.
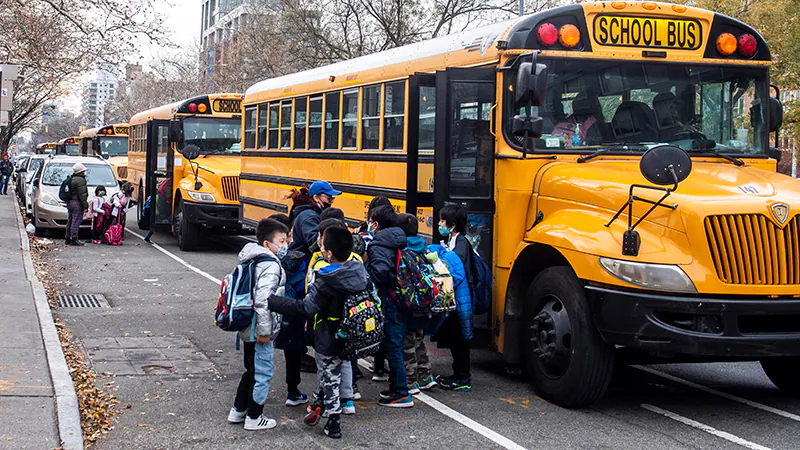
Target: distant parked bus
(110, 142)
(68, 146)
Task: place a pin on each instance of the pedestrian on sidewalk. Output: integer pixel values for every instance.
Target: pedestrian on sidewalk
(6, 169)
(77, 205)
(259, 353)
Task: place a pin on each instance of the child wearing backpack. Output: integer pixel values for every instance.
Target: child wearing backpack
(415, 354)
(326, 299)
(98, 214)
(259, 353)
(382, 267)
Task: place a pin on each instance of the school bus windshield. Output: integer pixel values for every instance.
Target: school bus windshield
(114, 146)
(702, 108)
(213, 135)
(72, 149)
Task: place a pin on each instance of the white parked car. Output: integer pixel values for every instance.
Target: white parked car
(49, 211)
(26, 174)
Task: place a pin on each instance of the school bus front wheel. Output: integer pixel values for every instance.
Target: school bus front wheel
(566, 359)
(186, 231)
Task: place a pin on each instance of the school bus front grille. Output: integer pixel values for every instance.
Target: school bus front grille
(751, 249)
(230, 188)
(122, 173)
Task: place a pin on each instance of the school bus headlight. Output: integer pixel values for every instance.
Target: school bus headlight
(202, 197)
(726, 44)
(569, 36)
(658, 277)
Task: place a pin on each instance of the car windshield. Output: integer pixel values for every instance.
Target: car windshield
(33, 167)
(593, 105)
(213, 135)
(96, 174)
(113, 146)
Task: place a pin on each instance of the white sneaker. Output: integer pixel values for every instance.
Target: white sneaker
(259, 423)
(235, 416)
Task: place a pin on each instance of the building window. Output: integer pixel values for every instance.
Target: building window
(315, 123)
(300, 105)
(332, 102)
(393, 115)
(286, 124)
(274, 112)
(371, 118)
(262, 125)
(250, 127)
(350, 119)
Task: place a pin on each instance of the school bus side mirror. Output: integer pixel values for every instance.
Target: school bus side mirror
(175, 131)
(531, 85)
(191, 152)
(775, 114)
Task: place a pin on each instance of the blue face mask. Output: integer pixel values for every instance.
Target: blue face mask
(444, 231)
(282, 251)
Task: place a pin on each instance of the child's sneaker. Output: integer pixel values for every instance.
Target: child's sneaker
(348, 408)
(296, 400)
(413, 389)
(235, 416)
(381, 375)
(388, 393)
(397, 401)
(454, 384)
(259, 423)
(312, 418)
(333, 429)
(427, 384)
(356, 393)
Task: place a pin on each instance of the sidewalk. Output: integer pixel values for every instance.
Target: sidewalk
(29, 417)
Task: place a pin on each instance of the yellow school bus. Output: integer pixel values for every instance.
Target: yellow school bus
(615, 163)
(46, 148)
(110, 142)
(192, 195)
(68, 146)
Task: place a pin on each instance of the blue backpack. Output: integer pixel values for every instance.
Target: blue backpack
(481, 283)
(235, 307)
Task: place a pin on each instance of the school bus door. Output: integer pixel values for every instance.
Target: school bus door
(159, 173)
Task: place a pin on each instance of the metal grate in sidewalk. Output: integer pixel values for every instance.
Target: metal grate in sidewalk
(83, 301)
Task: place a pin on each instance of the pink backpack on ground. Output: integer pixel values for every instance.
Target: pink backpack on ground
(114, 233)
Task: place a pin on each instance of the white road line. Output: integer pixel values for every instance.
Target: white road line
(492, 435)
(433, 403)
(709, 390)
(708, 429)
(181, 261)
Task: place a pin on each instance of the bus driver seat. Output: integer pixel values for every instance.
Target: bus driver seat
(634, 122)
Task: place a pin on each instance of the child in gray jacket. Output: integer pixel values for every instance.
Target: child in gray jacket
(259, 354)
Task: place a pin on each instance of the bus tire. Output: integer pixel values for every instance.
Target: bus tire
(142, 222)
(784, 373)
(566, 359)
(186, 232)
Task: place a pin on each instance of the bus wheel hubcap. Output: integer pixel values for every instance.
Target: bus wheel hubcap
(551, 333)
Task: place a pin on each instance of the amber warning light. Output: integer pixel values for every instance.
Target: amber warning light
(568, 35)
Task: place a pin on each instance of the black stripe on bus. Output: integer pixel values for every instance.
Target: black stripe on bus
(344, 156)
(280, 207)
(373, 191)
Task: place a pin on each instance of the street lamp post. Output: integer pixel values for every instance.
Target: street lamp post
(521, 7)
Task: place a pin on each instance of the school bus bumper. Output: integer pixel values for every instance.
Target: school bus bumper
(723, 327)
(226, 216)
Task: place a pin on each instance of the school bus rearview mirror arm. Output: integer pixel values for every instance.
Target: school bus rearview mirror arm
(662, 165)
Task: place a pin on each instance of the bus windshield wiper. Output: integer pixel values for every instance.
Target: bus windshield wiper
(215, 152)
(612, 148)
(708, 151)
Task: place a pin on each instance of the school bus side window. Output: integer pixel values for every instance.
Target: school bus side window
(250, 127)
(315, 123)
(262, 125)
(350, 119)
(300, 123)
(370, 118)
(332, 102)
(286, 124)
(274, 113)
(393, 116)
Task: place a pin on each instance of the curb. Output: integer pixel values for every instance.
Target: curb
(68, 413)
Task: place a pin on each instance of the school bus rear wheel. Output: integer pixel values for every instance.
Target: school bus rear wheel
(784, 373)
(567, 361)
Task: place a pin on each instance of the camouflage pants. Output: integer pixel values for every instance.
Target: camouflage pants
(335, 382)
(415, 355)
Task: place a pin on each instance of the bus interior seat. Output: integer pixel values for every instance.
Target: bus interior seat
(663, 107)
(587, 106)
(634, 122)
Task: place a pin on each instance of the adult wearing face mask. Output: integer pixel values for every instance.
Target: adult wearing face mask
(306, 223)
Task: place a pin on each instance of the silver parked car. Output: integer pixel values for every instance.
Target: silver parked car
(25, 176)
(48, 210)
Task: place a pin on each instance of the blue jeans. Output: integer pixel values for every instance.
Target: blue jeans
(259, 363)
(4, 184)
(395, 324)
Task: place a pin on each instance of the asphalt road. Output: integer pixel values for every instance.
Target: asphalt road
(182, 400)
